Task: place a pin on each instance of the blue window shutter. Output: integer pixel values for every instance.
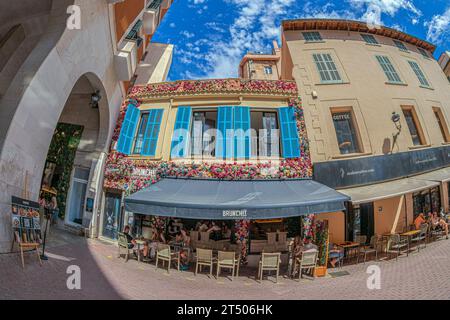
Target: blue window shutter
(224, 123)
(152, 132)
(289, 133)
(128, 129)
(242, 136)
(181, 134)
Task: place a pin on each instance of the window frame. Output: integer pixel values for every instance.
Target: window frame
(388, 69)
(400, 45)
(442, 124)
(268, 68)
(138, 127)
(419, 74)
(312, 36)
(357, 134)
(369, 39)
(418, 126)
(327, 71)
(424, 53)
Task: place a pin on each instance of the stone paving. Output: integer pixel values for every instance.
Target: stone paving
(422, 275)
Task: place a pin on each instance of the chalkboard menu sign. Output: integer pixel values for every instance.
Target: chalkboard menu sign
(26, 219)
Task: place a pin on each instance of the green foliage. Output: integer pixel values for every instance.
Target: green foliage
(62, 151)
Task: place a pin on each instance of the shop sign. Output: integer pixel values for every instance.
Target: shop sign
(235, 213)
(367, 170)
(144, 172)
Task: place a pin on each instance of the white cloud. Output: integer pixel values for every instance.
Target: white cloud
(439, 27)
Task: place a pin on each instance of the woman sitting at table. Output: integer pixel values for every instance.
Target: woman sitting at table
(226, 232)
(420, 219)
(215, 232)
(437, 222)
(335, 254)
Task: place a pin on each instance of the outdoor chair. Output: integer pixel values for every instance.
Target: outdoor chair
(307, 262)
(269, 262)
(204, 258)
(436, 233)
(362, 240)
(421, 237)
(194, 236)
(227, 260)
(204, 236)
(124, 244)
(164, 253)
(370, 249)
(271, 237)
(397, 244)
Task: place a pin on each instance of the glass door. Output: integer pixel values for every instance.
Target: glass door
(77, 196)
(112, 215)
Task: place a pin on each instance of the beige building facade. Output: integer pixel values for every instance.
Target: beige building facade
(377, 109)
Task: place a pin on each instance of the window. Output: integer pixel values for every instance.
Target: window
(400, 45)
(423, 52)
(312, 36)
(346, 132)
(423, 81)
(413, 126)
(326, 67)
(134, 32)
(267, 70)
(389, 69)
(442, 124)
(147, 134)
(203, 133)
(370, 39)
(266, 142)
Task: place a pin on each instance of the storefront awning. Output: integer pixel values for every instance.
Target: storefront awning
(387, 190)
(238, 199)
(441, 175)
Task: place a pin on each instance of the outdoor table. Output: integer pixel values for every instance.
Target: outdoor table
(139, 243)
(347, 246)
(409, 235)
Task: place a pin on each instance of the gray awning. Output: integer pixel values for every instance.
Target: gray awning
(238, 199)
(387, 190)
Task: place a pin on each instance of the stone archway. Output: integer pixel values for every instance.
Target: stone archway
(34, 102)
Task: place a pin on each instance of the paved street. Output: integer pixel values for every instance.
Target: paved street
(103, 276)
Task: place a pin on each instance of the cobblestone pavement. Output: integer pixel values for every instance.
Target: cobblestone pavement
(422, 275)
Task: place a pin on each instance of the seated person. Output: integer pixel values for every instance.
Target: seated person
(420, 219)
(203, 227)
(310, 246)
(437, 222)
(226, 232)
(185, 237)
(132, 242)
(335, 254)
(215, 232)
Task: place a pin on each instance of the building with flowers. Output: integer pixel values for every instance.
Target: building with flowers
(229, 150)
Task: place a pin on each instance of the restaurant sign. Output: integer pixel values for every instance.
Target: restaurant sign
(367, 170)
(235, 213)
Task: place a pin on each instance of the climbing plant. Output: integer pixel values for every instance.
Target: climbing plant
(62, 152)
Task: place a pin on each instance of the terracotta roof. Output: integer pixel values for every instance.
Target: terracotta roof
(358, 26)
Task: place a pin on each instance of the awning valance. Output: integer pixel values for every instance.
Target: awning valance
(238, 199)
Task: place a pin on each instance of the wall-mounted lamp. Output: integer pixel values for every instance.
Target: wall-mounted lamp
(396, 120)
(95, 99)
(314, 94)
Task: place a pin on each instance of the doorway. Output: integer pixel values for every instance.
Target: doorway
(77, 196)
(112, 222)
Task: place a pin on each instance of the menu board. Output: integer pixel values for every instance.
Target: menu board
(26, 219)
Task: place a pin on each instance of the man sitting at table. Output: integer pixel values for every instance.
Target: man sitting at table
(419, 221)
(132, 242)
(438, 222)
(335, 254)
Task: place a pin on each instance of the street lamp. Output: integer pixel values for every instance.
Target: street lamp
(95, 98)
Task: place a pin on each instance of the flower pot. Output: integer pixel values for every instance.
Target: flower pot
(320, 271)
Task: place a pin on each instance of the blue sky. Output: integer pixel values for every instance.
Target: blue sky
(211, 36)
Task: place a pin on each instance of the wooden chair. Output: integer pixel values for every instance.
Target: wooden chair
(122, 242)
(194, 236)
(27, 240)
(204, 258)
(271, 238)
(227, 260)
(164, 253)
(269, 262)
(204, 236)
(308, 262)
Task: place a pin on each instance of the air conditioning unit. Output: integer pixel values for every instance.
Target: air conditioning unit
(149, 21)
(130, 46)
(122, 66)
